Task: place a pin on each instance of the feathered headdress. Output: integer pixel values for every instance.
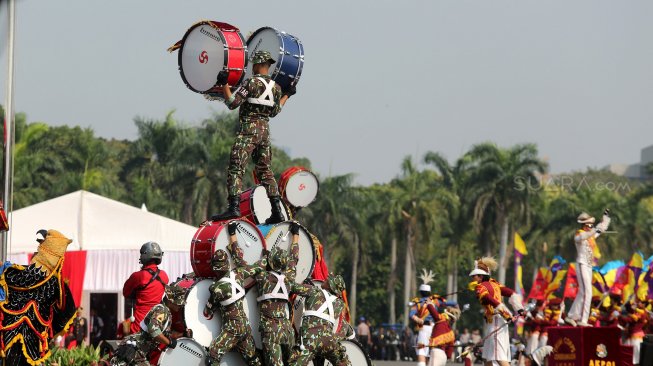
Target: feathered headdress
(483, 266)
(427, 278)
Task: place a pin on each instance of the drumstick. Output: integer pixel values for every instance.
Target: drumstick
(247, 243)
(285, 237)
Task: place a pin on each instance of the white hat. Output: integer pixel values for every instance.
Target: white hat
(426, 277)
(425, 287)
(585, 218)
(483, 266)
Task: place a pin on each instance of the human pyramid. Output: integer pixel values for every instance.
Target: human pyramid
(260, 293)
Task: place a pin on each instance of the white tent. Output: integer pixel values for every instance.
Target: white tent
(109, 231)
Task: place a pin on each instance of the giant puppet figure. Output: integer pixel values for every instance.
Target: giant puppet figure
(490, 293)
(36, 303)
(586, 248)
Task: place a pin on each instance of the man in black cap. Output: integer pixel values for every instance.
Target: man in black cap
(259, 99)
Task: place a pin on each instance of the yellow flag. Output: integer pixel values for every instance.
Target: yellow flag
(520, 246)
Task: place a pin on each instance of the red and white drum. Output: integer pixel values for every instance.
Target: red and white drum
(212, 236)
(298, 186)
(256, 207)
(207, 48)
(188, 353)
(278, 235)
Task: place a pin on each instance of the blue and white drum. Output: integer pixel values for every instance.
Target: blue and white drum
(287, 51)
(278, 235)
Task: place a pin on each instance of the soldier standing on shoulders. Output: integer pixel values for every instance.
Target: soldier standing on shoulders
(227, 294)
(259, 98)
(138, 349)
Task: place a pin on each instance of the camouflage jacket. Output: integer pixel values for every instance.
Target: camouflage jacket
(254, 88)
(157, 321)
(267, 282)
(316, 304)
(233, 314)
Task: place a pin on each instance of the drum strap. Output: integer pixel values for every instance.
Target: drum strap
(279, 292)
(267, 98)
(237, 291)
(326, 310)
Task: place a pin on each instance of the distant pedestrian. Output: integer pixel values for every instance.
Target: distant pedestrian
(363, 334)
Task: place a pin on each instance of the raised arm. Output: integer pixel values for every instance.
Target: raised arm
(236, 253)
(291, 269)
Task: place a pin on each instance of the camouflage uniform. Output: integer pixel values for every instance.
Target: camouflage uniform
(276, 329)
(157, 321)
(258, 99)
(236, 331)
(319, 338)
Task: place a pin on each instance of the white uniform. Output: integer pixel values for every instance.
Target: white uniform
(580, 309)
(423, 337)
(497, 346)
(438, 357)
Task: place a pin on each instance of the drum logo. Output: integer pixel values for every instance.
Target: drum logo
(204, 57)
(302, 187)
(190, 350)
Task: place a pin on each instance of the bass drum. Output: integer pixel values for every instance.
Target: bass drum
(187, 353)
(287, 51)
(191, 314)
(255, 205)
(298, 186)
(212, 236)
(278, 235)
(355, 352)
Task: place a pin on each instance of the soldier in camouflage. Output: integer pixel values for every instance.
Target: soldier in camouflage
(319, 330)
(227, 294)
(259, 99)
(137, 349)
(275, 284)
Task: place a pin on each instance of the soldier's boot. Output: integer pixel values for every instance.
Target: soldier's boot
(233, 211)
(277, 216)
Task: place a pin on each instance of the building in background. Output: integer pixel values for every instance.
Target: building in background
(641, 170)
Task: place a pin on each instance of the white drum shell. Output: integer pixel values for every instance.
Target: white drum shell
(262, 207)
(187, 353)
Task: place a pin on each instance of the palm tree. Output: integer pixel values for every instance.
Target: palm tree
(501, 184)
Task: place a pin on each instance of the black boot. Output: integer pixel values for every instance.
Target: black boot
(233, 211)
(277, 216)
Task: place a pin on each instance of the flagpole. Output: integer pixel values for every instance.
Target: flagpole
(7, 197)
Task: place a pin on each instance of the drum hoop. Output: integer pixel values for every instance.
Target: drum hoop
(277, 66)
(246, 50)
(181, 51)
(360, 346)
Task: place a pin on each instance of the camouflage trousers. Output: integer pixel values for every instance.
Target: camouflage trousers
(322, 343)
(278, 340)
(230, 339)
(253, 139)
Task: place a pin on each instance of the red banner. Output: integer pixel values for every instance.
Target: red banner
(73, 271)
(571, 285)
(587, 346)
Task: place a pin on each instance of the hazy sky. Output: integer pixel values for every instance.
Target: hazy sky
(382, 79)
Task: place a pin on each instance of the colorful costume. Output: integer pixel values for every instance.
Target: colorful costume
(423, 320)
(227, 294)
(36, 303)
(586, 252)
(442, 337)
(636, 321)
(490, 294)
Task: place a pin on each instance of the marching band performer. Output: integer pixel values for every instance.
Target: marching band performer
(585, 246)
(496, 348)
(227, 294)
(552, 313)
(275, 284)
(423, 320)
(442, 336)
(323, 309)
(636, 321)
(259, 99)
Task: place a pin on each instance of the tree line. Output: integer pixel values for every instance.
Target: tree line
(437, 213)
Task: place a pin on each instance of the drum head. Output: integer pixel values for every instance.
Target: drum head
(265, 39)
(201, 57)
(301, 188)
(279, 235)
(261, 205)
(250, 242)
(187, 353)
(204, 330)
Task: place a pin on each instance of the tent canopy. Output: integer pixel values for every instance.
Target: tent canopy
(94, 222)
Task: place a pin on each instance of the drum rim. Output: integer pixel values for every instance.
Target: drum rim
(310, 239)
(163, 353)
(282, 190)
